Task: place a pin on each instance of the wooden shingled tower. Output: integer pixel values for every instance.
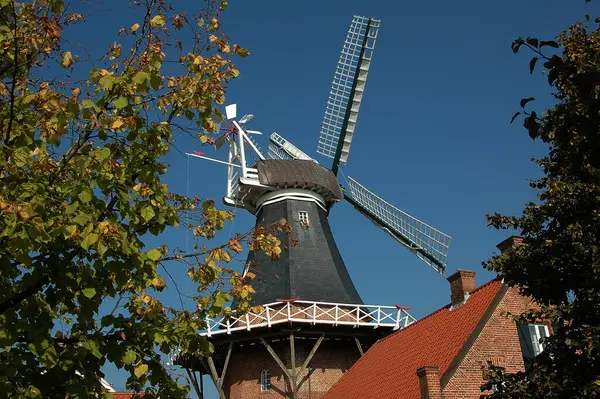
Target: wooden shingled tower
(314, 325)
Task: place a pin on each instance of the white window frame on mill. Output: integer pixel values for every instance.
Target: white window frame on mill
(303, 219)
(265, 380)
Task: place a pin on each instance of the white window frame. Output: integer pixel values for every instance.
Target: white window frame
(265, 380)
(303, 218)
(540, 331)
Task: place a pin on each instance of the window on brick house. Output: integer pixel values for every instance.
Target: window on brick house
(265, 380)
(531, 337)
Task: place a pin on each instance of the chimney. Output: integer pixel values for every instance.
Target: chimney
(429, 382)
(462, 282)
(509, 243)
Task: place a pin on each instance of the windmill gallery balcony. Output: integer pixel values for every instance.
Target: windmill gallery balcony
(311, 313)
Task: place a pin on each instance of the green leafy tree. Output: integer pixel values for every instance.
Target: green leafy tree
(82, 185)
(559, 262)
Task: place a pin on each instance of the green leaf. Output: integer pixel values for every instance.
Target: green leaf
(82, 218)
(140, 370)
(549, 43)
(524, 101)
(92, 347)
(147, 212)
(102, 154)
(49, 358)
(87, 103)
(155, 82)
(140, 78)
(154, 254)
(532, 42)
(121, 102)
(107, 82)
(242, 52)
(89, 292)
(532, 63)
(220, 299)
(69, 231)
(514, 116)
(89, 240)
(85, 196)
(129, 357)
(20, 157)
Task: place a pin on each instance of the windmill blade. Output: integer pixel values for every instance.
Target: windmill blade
(246, 118)
(428, 243)
(347, 91)
(280, 148)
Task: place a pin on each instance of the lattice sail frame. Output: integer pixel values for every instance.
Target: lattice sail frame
(280, 148)
(345, 97)
(428, 243)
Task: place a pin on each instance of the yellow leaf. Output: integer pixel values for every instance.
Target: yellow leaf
(140, 370)
(135, 27)
(67, 59)
(158, 282)
(137, 187)
(198, 60)
(204, 138)
(117, 123)
(75, 93)
(158, 20)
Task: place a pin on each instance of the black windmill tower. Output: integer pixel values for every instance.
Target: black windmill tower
(314, 324)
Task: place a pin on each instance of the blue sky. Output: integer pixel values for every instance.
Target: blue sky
(433, 135)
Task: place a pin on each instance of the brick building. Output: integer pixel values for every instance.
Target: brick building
(445, 354)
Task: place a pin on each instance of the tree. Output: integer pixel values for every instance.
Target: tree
(559, 262)
(82, 185)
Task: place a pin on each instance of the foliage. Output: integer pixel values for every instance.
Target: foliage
(559, 262)
(82, 184)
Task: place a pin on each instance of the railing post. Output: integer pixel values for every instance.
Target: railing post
(247, 322)
(357, 314)
(398, 314)
(314, 306)
(208, 326)
(268, 316)
(336, 315)
(228, 327)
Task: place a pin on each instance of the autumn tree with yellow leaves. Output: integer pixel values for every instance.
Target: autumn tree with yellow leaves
(82, 185)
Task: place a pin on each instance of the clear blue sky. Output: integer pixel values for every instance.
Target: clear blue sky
(433, 135)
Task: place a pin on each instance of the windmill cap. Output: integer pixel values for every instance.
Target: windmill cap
(297, 173)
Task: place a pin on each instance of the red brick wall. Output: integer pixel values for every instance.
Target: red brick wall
(498, 342)
(330, 362)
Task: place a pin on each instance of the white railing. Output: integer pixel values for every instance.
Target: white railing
(308, 312)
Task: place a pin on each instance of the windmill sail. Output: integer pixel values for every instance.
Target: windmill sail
(428, 243)
(347, 91)
(280, 148)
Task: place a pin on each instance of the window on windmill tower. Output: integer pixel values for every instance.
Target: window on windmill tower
(303, 218)
(265, 380)
(531, 337)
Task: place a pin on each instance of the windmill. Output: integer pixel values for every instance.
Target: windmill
(308, 297)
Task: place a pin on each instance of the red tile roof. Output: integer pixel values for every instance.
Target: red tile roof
(388, 369)
(126, 395)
